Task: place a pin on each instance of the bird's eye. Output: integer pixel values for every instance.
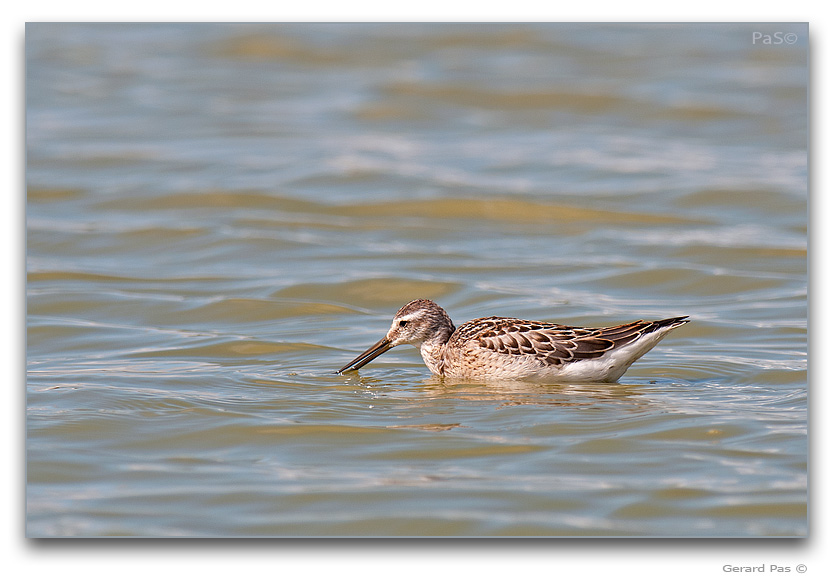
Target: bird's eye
(403, 323)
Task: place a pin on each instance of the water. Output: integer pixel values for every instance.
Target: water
(219, 216)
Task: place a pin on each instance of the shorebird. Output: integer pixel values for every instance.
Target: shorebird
(502, 348)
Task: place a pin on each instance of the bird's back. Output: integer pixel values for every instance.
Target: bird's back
(498, 347)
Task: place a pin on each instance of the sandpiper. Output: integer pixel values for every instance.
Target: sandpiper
(502, 348)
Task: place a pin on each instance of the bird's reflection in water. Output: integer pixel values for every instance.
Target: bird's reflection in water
(510, 393)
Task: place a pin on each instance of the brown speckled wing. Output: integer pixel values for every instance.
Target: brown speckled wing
(553, 343)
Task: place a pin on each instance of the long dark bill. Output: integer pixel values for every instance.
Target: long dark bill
(380, 347)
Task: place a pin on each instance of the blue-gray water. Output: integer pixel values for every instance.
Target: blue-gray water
(219, 216)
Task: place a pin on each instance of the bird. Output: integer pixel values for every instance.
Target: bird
(502, 348)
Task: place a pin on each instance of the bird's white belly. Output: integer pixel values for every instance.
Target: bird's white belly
(584, 371)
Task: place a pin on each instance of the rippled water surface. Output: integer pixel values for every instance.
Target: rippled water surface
(219, 216)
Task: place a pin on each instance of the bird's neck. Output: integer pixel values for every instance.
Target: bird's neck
(433, 351)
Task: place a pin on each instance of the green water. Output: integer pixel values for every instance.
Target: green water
(220, 216)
